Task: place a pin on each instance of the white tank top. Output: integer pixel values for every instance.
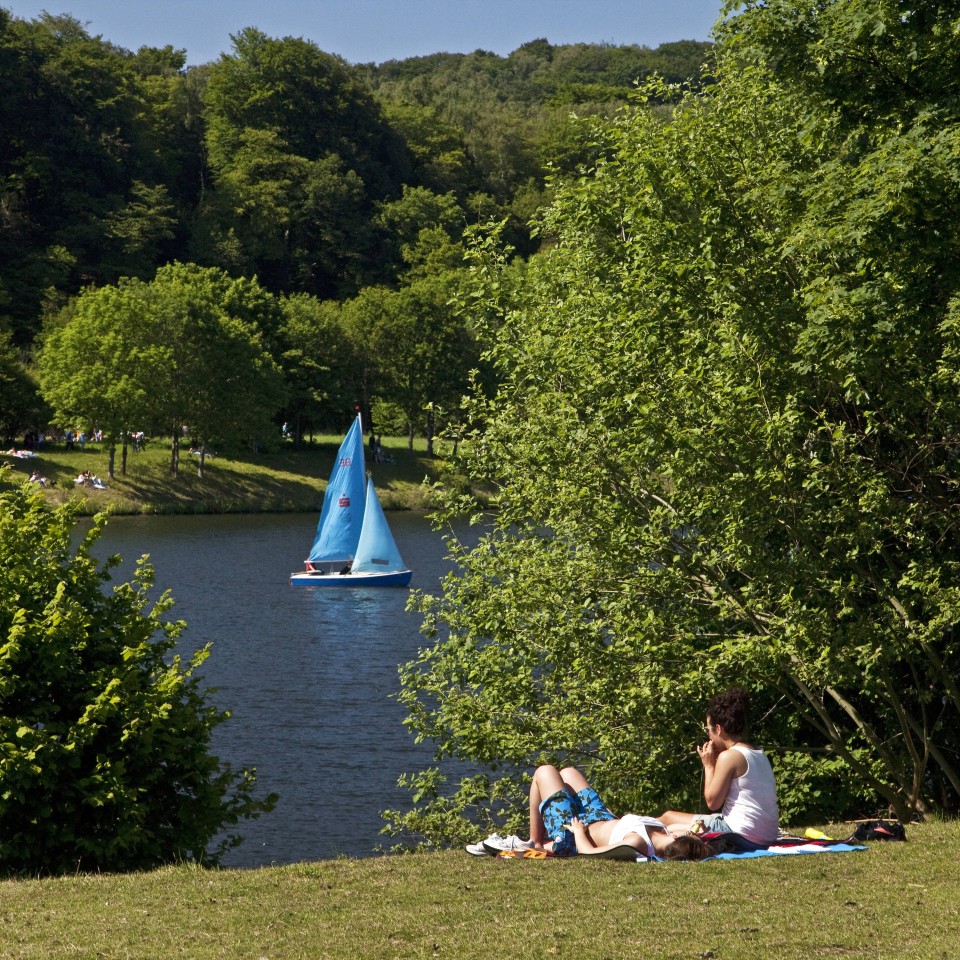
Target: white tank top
(751, 805)
(634, 823)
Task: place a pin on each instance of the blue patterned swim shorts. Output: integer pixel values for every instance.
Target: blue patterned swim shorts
(561, 807)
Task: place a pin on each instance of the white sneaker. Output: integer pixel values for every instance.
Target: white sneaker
(476, 849)
(495, 844)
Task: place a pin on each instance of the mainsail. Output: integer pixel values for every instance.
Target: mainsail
(341, 518)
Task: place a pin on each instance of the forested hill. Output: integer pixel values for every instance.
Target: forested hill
(281, 162)
(537, 72)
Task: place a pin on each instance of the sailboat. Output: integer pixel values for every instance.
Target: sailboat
(353, 546)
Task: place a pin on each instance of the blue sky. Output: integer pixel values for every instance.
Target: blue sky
(362, 31)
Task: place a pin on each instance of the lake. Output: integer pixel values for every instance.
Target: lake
(308, 673)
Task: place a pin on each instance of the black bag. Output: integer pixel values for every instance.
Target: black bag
(879, 830)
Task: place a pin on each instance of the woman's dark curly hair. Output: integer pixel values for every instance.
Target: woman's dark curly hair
(729, 710)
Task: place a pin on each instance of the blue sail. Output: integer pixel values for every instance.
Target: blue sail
(341, 518)
(377, 551)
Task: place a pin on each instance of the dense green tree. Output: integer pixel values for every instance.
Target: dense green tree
(105, 731)
(438, 154)
(873, 61)
(535, 72)
(96, 364)
(139, 228)
(419, 209)
(301, 154)
(724, 447)
(320, 365)
(275, 161)
(21, 408)
(213, 374)
(84, 192)
(508, 112)
(171, 98)
(185, 350)
(371, 311)
(417, 350)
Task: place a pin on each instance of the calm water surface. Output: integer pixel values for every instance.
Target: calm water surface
(307, 672)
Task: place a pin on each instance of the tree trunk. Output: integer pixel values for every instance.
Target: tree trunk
(111, 458)
(175, 451)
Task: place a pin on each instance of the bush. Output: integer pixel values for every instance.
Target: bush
(104, 732)
(820, 790)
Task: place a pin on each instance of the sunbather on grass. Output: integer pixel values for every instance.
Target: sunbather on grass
(738, 778)
(567, 816)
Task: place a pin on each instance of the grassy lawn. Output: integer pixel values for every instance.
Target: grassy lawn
(893, 900)
(287, 479)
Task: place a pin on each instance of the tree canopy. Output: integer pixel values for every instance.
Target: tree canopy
(281, 162)
(724, 442)
(186, 349)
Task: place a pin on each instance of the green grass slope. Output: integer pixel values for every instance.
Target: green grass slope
(286, 479)
(893, 900)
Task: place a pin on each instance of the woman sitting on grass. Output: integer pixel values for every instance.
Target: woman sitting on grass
(737, 778)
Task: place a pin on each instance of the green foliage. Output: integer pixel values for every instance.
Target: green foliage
(104, 728)
(95, 368)
(186, 348)
(95, 141)
(724, 449)
(300, 154)
(414, 346)
(278, 161)
(872, 61)
(820, 787)
(20, 406)
(320, 364)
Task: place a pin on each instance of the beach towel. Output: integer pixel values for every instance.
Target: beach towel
(775, 850)
(786, 846)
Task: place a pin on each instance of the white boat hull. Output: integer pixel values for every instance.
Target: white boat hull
(312, 578)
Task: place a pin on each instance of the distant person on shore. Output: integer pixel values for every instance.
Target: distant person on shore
(738, 779)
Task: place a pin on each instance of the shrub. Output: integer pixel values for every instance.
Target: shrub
(104, 730)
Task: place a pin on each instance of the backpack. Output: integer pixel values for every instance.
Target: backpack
(879, 830)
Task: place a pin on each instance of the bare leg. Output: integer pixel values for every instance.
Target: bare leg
(546, 781)
(674, 818)
(574, 779)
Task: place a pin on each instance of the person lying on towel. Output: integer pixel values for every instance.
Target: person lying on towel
(568, 817)
(738, 778)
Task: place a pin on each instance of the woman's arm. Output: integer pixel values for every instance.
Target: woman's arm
(718, 770)
(581, 834)
(586, 845)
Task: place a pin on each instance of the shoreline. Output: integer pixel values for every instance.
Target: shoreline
(285, 479)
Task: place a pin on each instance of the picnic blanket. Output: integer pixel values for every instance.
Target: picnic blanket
(776, 850)
(813, 841)
(787, 846)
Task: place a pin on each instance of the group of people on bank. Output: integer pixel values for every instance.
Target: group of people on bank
(567, 816)
(86, 479)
